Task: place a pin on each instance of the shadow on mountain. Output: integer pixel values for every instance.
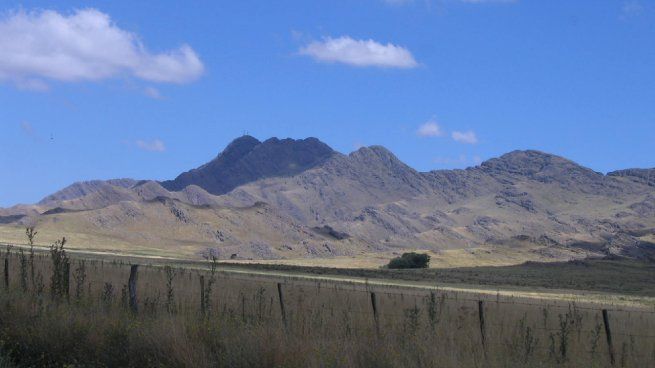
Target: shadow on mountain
(247, 159)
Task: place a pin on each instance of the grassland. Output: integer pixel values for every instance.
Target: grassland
(262, 316)
(612, 275)
(609, 275)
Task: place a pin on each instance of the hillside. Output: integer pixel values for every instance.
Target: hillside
(300, 200)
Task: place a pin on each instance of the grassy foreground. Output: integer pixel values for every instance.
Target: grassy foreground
(58, 311)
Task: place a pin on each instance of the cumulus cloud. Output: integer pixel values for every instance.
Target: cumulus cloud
(85, 45)
(430, 129)
(154, 145)
(360, 53)
(468, 137)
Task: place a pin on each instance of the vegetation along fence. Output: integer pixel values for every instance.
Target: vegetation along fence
(337, 323)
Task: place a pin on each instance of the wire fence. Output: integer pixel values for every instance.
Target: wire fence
(479, 304)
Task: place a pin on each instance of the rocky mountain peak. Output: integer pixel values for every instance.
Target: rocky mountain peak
(288, 149)
(247, 159)
(547, 168)
(537, 165)
(528, 162)
(377, 154)
(239, 147)
(380, 160)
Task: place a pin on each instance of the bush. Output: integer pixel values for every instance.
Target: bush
(410, 260)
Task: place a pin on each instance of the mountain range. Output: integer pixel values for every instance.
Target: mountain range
(284, 199)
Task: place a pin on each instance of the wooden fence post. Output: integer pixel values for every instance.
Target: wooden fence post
(243, 307)
(132, 288)
(376, 319)
(202, 295)
(66, 280)
(282, 310)
(483, 331)
(6, 272)
(608, 334)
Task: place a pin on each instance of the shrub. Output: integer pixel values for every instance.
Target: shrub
(60, 269)
(410, 260)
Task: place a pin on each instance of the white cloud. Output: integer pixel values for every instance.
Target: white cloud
(430, 129)
(468, 137)
(83, 46)
(359, 53)
(154, 145)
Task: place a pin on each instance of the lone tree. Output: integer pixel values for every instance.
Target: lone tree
(410, 260)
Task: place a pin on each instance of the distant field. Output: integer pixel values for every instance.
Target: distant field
(619, 276)
(183, 248)
(615, 276)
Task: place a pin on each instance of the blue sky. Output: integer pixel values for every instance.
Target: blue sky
(152, 88)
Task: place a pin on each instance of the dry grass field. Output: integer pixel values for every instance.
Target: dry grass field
(80, 315)
(182, 248)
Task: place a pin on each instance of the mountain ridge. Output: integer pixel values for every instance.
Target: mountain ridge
(240, 147)
(247, 159)
(299, 192)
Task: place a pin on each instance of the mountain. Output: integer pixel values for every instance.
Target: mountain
(642, 176)
(80, 189)
(246, 159)
(299, 199)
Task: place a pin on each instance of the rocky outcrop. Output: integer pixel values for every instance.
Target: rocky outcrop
(641, 176)
(246, 160)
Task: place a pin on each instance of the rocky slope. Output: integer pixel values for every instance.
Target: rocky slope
(300, 199)
(246, 159)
